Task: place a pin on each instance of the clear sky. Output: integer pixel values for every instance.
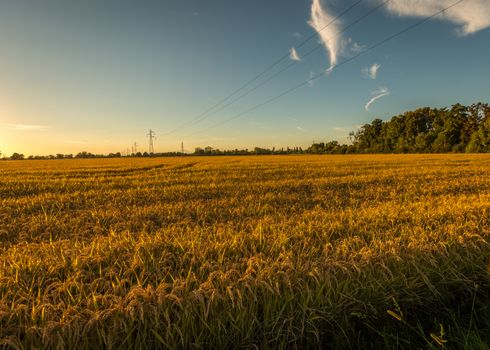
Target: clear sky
(95, 75)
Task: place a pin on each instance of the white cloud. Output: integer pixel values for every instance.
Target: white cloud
(371, 72)
(323, 23)
(299, 128)
(377, 94)
(349, 47)
(471, 15)
(26, 127)
(339, 129)
(293, 54)
(356, 47)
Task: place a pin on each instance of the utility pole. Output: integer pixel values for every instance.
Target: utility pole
(134, 148)
(151, 136)
(182, 147)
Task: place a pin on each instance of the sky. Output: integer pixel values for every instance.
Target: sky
(96, 75)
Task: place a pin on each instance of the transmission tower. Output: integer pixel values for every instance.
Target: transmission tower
(182, 147)
(135, 148)
(151, 136)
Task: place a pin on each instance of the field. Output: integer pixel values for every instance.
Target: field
(341, 252)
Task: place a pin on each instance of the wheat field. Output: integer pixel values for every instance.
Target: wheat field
(273, 252)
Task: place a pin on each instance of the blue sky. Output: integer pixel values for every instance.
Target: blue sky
(96, 75)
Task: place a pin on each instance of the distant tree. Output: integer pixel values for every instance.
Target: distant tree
(480, 140)
(17, 156)
(85, 154)
(262, 151)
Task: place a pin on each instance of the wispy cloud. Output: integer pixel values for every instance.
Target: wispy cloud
(356, 47)
(349, 47)
(327, 29)
(299, 128)
(377, 94)
(339, 129)
(293, 119)
(27, 127)
(472, 16)
(371, 72)
(297, 35)
(293, 54)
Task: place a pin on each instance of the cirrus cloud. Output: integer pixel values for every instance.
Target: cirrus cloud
(371, 72)
(27, 127)
(471, 15)
(377, 94)
(293, 54)
(324, 24)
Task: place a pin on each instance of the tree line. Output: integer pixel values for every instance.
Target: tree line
(87, 155)
(425, 130)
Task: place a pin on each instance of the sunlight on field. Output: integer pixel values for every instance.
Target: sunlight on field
(222, 252)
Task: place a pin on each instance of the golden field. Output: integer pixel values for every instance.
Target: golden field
(344, 252)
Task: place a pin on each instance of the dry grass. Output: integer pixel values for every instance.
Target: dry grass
(274, 252)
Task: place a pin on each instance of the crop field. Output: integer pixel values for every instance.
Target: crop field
(342, 252)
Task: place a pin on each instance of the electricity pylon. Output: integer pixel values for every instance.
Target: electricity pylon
(151, 136)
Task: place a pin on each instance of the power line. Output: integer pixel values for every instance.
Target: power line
(317, 76)
(314, 35)
(292, 64)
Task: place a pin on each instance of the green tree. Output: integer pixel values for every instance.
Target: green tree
(480, 140)
(17, 156)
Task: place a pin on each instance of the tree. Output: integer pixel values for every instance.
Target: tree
(480, 140)
(17, 156)
(456, 129)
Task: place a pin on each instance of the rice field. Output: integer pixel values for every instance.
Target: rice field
(272, 252)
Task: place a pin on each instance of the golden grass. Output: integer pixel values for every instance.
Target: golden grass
(225, 252)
